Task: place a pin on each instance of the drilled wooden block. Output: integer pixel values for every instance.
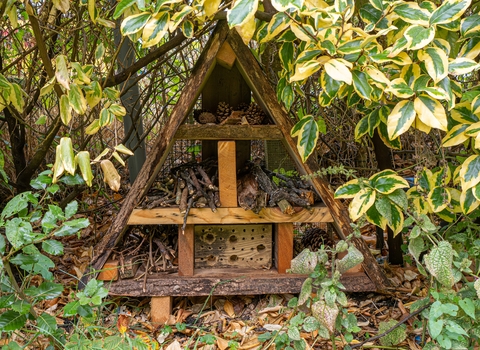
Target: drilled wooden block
(233, 246)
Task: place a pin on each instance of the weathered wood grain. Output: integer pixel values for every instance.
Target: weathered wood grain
(250, 282)
(186, 242)
(166, 216)
(283, 246)
(227, 174)
(228, 132)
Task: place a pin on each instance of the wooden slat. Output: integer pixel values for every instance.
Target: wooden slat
(186, 252)
(228, 132)
(165, 216)
(226, 56)
(221, 282)
(161, 309)
(283, 246)
(227, 174)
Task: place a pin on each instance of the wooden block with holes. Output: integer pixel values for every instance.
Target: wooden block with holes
(160, 310)
(109, 271)
(233, 246)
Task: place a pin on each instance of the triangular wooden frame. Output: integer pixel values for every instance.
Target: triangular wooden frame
(264, 96)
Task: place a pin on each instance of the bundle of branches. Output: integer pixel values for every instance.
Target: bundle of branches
(258, 188)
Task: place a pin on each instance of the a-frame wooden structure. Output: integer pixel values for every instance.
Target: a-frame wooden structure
(223, 39)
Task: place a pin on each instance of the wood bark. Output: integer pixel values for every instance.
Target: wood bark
(265, 95)
(159, 153)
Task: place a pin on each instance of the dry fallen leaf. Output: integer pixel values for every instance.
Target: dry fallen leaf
(122, 323)
(222, 343)
(174, 346)
(228, 308)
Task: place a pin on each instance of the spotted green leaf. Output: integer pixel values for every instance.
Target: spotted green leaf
(439, 263)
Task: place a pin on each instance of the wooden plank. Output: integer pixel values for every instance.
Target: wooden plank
(226, 56)
(109, 271)
(160, 310)
(248, 282)
(227, 174)
(159, 152)
(186, 252)
(283, 246)
(233, 246)
(266, 98)
(165, 216)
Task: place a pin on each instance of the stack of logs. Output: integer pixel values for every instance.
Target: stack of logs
(225, 114)
(193, 185)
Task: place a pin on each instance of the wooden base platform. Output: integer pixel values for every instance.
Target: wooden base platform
(223, 282)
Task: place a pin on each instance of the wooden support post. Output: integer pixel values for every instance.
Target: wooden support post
(227, 177)
(283, 246)
(186, 251)
(109, 271)
(160, 310)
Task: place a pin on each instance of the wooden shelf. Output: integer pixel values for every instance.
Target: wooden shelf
(228, 132)
(171, 215)
(228, 282)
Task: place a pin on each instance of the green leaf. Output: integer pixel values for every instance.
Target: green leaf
(435, 327)
(71, 209)
(361, 85)
(241, 12)
(449, 11)
(133, 24)
(410, 12)
(439, 263)
(11, 320)
(400, 119)
(71, 227)
(350, 260)
(46, 291)
(284, 5)
(76, 99)
(416, 246)
(19, 232)
(468, 306)
(391, 212)
(310, 324)
(46, 323)
(52, 247)
(70, 309)
(17, 204)
(65, 109)
(122, 6)
(306, 291)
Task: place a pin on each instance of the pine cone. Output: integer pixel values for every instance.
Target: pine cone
(254, 115)
(223, 111)
(314, 237)
(243, 107)
(207, 118)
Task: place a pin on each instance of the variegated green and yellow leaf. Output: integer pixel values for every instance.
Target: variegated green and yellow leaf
(377, 75)
(81, 75)
(117, 110)
(398, 47)
(445, 85)
(362, 201)
(307, 136)
(58, 168)
(383, 173)
(303, 32)
(417, 201)
(338, 70)
(83, 161)
(280, 21)
(462, 65)
(412, 76)
(241, 12)
(93, 94)
(17, 97)
(93, 127)
(462, 113)
(418, 36)
(61, 71)
(178, 17)
(392, 213)
(76, 99)
(66, 155)
(438, 198)
(361, 128)
(470, 49)
(388, 184)
(65, 110)
(122, 6)
(431, 112)
(155, 29)
(284, 5)
(476, 105)
(246, 30)
(188, 29)
(348, 190)
(399, 88)
(470, 172)
(473, 130)
(305, 70)
(421, 126)
(470, 26)
(436, 62)
(400, 119)
(449, 11)
(361, 84)
(373, 216)
(329, 85)
(455, 136)
(455, 200)
(134, 23)
(468, 202)
(383, 133)
(412, 13)
(211, 7)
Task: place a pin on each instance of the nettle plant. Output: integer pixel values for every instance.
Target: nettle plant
(34, 226)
